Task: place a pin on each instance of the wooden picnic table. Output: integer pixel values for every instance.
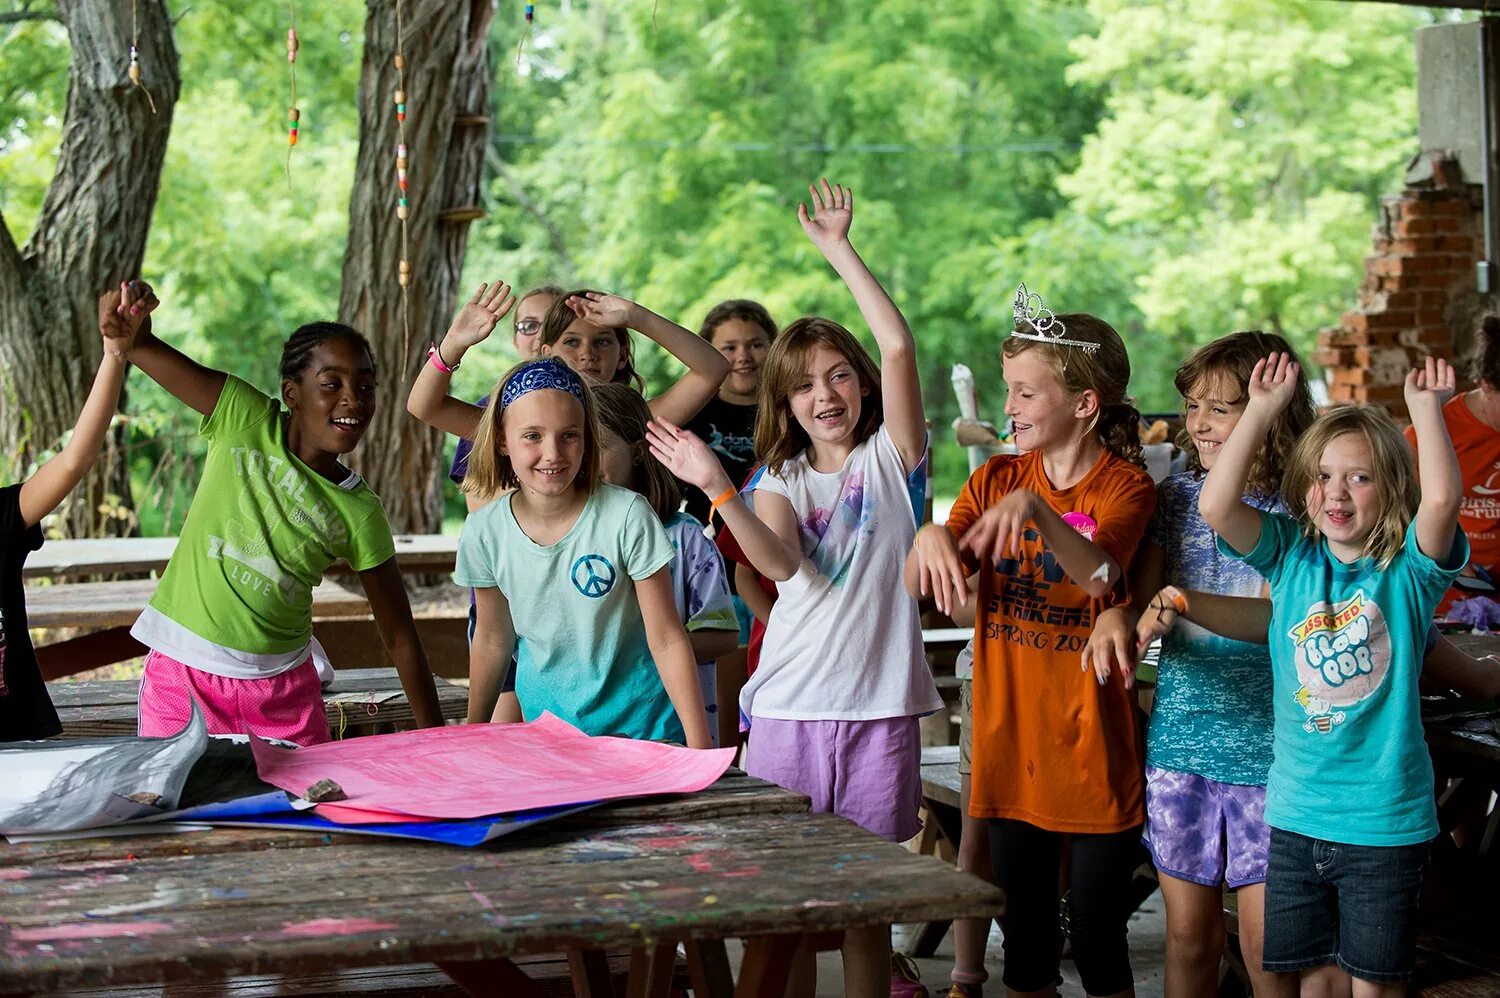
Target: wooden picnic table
(741, 859)
(118, 604)
(360, 701)
(127, 555)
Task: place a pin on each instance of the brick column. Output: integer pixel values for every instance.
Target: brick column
(1418, 292)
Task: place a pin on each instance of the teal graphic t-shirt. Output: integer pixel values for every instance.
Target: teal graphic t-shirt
(236, 598)
(1350, 761)
(583, 653)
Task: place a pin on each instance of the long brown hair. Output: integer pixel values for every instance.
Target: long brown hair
(1232, 358)
(1105, 372)
(1394, 472)
(1484, 357)
(490, 471)
(560, 316)
(778, 435)
(621, 411)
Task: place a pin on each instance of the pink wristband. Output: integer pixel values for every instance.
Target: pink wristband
(436, 359)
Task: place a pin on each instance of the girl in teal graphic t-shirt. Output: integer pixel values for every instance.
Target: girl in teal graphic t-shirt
(230, 625)
(1356, 570)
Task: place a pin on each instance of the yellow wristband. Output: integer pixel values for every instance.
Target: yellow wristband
(722, 498)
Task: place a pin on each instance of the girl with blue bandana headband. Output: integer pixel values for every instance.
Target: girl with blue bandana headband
(574, 566)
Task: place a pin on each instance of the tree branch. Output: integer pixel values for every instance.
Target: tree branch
(27, 14)
(497, 163)
(11, 264)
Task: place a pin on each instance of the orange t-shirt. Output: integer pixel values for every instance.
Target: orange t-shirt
(1052, 747)
(1478, 448)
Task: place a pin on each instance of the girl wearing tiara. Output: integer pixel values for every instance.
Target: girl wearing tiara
(1050, 533)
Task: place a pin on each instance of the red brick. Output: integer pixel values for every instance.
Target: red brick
(1341, 393)
(1378, 393)
(1449, 224)
(1413, 227)
(1458, 244)
(1352, 376)
(1335, 357)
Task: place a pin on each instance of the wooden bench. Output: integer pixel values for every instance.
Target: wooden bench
(129, 555)
(360, 701)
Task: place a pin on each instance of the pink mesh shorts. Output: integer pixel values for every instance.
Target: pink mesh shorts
(288, 705)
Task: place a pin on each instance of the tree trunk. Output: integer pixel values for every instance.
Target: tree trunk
(91, 235)
(447, 87)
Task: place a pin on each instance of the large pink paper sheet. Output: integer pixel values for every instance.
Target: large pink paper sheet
(474, 770)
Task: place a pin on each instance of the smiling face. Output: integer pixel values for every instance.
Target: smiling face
(1343, 502)
(827, 401)
(1043, 414)
(527, 336)
(591, 350)
(744, 345)
(332, 401)
(1211, 409)
(544, 439)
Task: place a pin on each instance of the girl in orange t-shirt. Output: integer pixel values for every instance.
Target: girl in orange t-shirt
(1050, 532)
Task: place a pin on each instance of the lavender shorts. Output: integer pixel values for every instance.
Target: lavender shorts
(867, 771)
(1205, 831)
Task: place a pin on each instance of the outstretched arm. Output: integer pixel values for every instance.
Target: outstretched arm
(706, 367)
(673, 655)
(429, 400)
(768, 536)
(900, 386)
(489, 653)
(398, 632)
(1273, 382)
(60, 474)
(187, 380)
(1441, 481)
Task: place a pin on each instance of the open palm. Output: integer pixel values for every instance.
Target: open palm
(605, 311)
(481, 314)
(828, 224)
(686, 455)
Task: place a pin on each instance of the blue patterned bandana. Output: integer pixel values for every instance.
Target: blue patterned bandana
(534, 375)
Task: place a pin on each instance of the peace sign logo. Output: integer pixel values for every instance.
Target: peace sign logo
(593, 575)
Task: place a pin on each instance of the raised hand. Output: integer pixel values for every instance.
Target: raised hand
(687, 457)
(1433, 383)
(479, 316)
(1273, 382)
(828, 225)
(607, 311)
(124, 312)
(998, 530)
(940, 570)
(1112, 646)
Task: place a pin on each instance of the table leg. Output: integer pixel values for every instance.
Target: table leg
(488, 978)
(651, 969)
(767, 965)
(867, 960)
(590, 972)
(708, 968)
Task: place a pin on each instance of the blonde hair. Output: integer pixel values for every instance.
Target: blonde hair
(778, 435)
(560, 316)
(1233, 358)
(490, 471)
(1394, 471)
(1105, 372)
(623, 412)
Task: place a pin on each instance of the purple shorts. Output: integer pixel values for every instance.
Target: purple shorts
(288, 705)
(1205, 831)
(867, 771)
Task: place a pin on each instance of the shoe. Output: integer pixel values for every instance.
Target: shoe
(966, 990)
(906, 982)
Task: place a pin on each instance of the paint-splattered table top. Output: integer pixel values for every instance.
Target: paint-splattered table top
(739, 859)
(359, 701)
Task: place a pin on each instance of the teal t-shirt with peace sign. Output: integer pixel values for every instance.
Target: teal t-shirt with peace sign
(584, 656)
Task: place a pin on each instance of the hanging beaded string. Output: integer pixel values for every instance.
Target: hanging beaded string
(135, 55)
(294, 116)
(521, 45)
(403, 206)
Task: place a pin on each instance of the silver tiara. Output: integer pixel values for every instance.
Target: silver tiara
(1031, 311)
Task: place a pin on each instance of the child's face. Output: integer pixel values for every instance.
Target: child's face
(1343, 502)
(827, 401)
(616, 465)
(528, 330)
(744, 345)
(590, 350)
(333, 399)
(1214, 405)
(1041, 412)
(544, 437)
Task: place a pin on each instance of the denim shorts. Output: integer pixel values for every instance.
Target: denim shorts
(1332, 903)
